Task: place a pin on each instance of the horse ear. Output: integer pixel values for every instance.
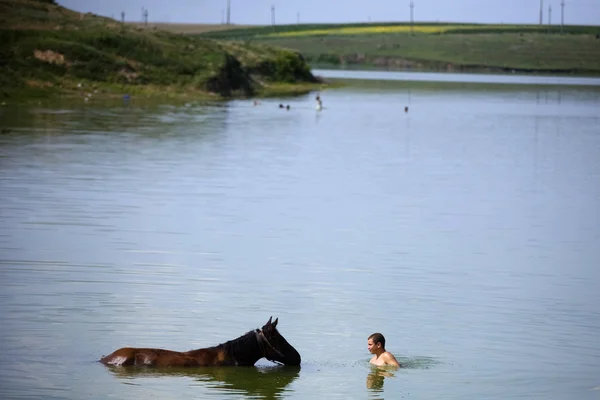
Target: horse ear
(269, 321)
(275, 322)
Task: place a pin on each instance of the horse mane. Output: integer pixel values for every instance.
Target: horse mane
(239, 344)
(233, 346)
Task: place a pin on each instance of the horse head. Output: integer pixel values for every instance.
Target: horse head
(274, 345)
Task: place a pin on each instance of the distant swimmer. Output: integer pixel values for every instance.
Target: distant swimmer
(319, 103)
(406, 109)
(287, 107)
(281, 106)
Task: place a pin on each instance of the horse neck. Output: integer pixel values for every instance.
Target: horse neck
(244, 350)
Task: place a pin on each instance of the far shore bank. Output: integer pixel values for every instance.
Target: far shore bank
(435, 47)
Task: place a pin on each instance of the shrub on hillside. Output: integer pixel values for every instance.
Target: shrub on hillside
(291, 67)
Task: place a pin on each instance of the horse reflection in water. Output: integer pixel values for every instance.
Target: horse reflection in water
(254, 382)
(246, 350)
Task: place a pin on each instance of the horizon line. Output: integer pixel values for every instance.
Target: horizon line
(356, 22)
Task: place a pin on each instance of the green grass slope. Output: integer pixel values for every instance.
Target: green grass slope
(45, 48)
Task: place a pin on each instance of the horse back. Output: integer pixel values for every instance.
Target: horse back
(140, 357)
(132, 356)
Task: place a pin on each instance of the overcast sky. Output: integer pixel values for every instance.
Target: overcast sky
(585, 12)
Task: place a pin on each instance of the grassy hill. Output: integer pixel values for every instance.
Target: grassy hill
(436, 46)
(47, 49)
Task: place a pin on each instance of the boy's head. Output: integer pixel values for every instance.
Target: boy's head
(376, 341)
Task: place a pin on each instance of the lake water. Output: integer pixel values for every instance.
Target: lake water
(466, 231)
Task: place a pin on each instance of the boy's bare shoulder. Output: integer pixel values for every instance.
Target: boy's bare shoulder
(390, 359)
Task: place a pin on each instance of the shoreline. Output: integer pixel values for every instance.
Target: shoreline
(433, 67)
(457, 77)
(88, 91)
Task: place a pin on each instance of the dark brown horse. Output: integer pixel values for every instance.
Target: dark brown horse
(246, 350)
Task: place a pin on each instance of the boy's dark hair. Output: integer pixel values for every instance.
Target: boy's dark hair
(377, 338)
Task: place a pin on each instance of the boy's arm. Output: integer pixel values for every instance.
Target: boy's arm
(391, 360)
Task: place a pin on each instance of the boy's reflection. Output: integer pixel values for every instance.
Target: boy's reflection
(376, 377)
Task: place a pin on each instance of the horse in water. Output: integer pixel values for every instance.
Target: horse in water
(246, 350)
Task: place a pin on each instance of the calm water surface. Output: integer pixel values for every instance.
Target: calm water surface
(466, 231)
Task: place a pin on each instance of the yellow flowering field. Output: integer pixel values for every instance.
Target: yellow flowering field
(374, 29)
